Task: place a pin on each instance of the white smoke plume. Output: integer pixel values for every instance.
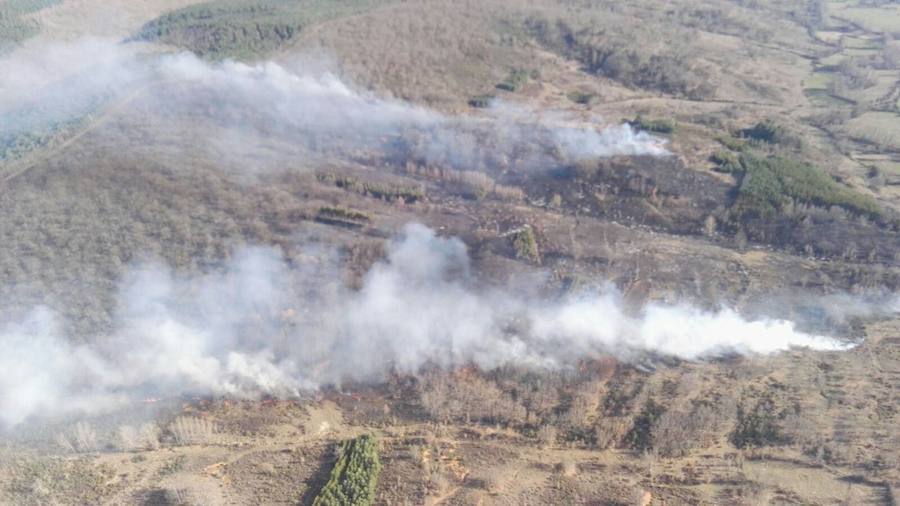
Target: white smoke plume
(264, 327)
(246, 107)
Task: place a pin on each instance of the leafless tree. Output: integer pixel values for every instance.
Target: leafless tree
(190, 430)
(546, 435)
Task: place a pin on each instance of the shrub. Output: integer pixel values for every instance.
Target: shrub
(149, 436)
(16, 143)
(732, 143)
(481, 101)
(676, 432)
(34, 480)
(510, 193)
(661, 126)
(492, 481)
(517, 78)
(145, 437)
(566, 467)
(604, 50)
(172, 466)
(580, 97)
(640, 437)
(85, 437)
(546, 435)
(470, 183)
(127, 438)
(189, 430)
(608, 432)
(170, 497)
(525, 245)
(354, 476)
(63, 442)
(726, 162)
(766, 131)
(389, 192)
(341, 213)
(469, 400)
(756, 426)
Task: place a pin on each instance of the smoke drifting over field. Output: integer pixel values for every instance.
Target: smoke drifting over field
(244, 105)
(261, 327)
(266, 326)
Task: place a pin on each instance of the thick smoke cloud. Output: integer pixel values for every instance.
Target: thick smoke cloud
(244, 108)
(263, 326)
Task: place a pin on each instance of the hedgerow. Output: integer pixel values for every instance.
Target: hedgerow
(354, 476)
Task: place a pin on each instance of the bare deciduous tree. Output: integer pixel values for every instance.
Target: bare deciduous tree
(546, 435)
(189, 430)
(85, 437)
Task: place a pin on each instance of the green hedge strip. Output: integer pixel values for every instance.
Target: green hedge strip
(354, 476)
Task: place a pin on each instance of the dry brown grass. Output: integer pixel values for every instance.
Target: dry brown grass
(449, 52)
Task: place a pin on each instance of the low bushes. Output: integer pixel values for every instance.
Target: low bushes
(340, 213)
(525, 245)
(517, 78)
(580, 97)
(764, 131)
(660, 126)
(732, 143)
(389, 192)
(726, 162)
(757, 426)
(768, 184)
(481, 101)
